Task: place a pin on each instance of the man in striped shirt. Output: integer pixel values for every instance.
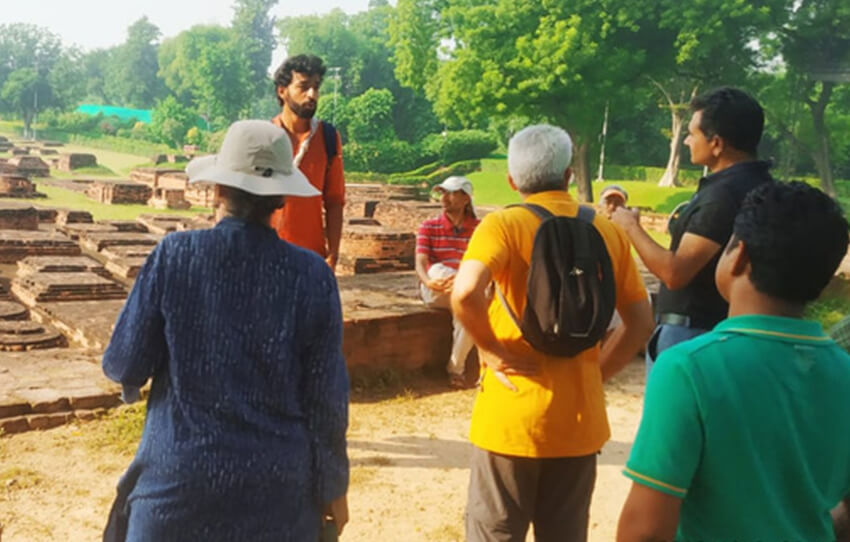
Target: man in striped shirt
(440, 245)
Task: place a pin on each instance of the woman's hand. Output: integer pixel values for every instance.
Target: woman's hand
(337, 511)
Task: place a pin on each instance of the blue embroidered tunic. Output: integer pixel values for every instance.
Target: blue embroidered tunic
(245, 431)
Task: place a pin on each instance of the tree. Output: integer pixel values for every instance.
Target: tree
(131, 78)
(537, 60)
(369, 116)
(27, 46)
(172, 121)
(815, 45)
(253, 29)
(25, 91)
(696, 45)
(206, 68)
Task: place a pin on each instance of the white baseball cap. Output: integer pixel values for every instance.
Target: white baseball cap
(455, 183)
(255, 156)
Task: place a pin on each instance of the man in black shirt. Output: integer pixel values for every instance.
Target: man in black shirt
(723, 135)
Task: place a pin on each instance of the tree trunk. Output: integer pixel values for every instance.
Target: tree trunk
(671, 173)
(580, 170)
(27, 117)
(820, 152)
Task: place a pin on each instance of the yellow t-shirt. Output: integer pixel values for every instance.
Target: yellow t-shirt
(560, 412)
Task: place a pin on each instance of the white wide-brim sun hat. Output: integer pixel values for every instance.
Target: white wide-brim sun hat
(255, 156)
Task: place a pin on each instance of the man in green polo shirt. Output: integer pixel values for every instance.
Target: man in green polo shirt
(745, 433)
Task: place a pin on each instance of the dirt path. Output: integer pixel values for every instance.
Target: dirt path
(408, 480)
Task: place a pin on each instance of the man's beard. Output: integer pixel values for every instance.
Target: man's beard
(301, 111)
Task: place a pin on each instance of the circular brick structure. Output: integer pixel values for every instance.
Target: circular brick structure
(375, 249)
(20, 335)
(9, 310)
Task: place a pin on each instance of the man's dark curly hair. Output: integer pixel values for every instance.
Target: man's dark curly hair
(795, 236)
(307, 64)
(733, 115)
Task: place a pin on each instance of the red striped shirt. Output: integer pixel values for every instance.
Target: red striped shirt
(442, 241)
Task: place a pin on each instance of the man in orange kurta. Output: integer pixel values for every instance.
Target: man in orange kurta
(314, 223)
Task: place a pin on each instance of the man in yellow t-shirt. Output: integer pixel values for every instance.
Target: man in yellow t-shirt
(538, 420)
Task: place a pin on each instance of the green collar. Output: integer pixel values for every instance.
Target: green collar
(775, 327)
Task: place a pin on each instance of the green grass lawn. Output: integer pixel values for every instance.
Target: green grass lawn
(96, 171)
(491, 188)
(119, 163)
(60, 197)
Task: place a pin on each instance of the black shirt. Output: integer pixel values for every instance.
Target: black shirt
(710, 213)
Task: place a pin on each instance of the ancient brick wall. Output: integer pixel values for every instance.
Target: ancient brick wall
(31, 166)
(201, 194)
(120, 193)
(13, 186)
(72, 161)
(18, 216)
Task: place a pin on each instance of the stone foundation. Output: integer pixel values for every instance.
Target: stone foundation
(18, 216)
(16, 186)
(46, 388)
(125, 225)
(40, 288)
(70, 162)
(9, 310)
(31, 166)
(387, 325)
(201, 194)
(150, 175)
(24, 335)
(71, 216)
(75, 231)
(383, 192)
(119, 193)
(160, 224)
(60, 264)
(405, 216)
(375, 249)
(96, 241)
(16, 245)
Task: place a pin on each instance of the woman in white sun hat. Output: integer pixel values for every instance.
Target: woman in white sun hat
(241, 334)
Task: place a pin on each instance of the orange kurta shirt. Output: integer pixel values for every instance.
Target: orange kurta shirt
(301, 220)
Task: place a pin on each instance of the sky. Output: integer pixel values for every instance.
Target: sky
(93, 24)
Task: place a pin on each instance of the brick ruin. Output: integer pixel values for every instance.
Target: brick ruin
(71, 161)
(116, 193)
(17, 216)
(30, 166)
(72, 216)
(17, 186)
(15, 245)
(375, 249)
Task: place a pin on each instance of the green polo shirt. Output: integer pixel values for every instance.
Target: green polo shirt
(750, 425)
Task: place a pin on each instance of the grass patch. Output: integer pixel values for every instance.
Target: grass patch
(832, 305)
(120, 430)
(169, 165)
(491, 188)
(95, 171)
(60, 197)
(19, 478)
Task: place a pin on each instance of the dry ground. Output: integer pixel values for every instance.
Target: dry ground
(408, 452)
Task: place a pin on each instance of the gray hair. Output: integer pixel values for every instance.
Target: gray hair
(538, 156)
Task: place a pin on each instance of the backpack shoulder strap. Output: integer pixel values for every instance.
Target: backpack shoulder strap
(586, 214)
(329, 135)
(541, 212)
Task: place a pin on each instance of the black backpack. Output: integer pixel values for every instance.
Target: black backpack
(570, 292)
